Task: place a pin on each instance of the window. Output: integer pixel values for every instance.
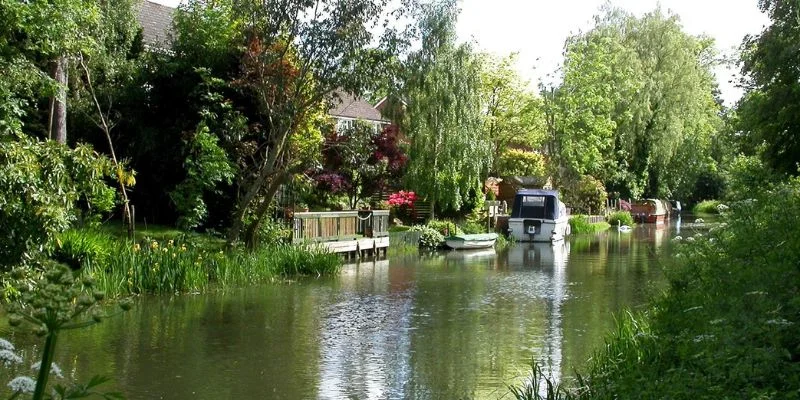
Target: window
(533, 201)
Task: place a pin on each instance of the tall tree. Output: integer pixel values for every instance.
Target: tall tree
(514, 115)
(638, 106)
(297, 54)
(769, 112)
(448, 154)
(37, 38)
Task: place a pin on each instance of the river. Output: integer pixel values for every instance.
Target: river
(443, 325)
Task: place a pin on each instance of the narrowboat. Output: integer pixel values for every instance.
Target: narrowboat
(538, 216)
(651, 211)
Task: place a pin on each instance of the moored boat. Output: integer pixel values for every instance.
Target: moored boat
(538, 216)
(476, 241)
(651, 211)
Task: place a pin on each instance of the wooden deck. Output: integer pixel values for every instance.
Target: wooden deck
(355, 233)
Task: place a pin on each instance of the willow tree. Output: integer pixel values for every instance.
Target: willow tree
(638, 105)
(443, 120)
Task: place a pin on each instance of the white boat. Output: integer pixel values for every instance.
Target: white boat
(477, 241)
(538, 216)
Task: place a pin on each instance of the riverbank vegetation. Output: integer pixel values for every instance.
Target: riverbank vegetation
(707, 207)
(579, 224)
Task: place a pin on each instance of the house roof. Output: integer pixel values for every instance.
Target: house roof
(156, 22)
(349, 106)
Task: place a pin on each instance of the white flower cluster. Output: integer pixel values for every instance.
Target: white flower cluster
(722, 208)
(22, 384)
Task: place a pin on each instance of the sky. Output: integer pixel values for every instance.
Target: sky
(537, 29)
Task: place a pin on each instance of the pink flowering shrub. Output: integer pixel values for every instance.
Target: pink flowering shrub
(402, 205)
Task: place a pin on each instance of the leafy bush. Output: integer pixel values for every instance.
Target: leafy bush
(707, 207)
(620, 218)
(728, 325)
(429, 237)
(744, 174)
(445, 227)
(472, 227)
(587, 195)
(43, 187)
(515, 162)
(272, 233)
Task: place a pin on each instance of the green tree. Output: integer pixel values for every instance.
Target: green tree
(448, 154)
(637, 105)
(37, 39)
(514, 117)
(770, 110)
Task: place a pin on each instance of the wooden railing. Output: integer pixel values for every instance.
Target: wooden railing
(339, 225)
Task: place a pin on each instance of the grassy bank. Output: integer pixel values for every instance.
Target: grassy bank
(580, 224)
(728, 326)
(707, 207)
(184, 264)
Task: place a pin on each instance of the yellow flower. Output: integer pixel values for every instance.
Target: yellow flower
(154, 245)
(170, 243)
(164, 250)
(136, 247)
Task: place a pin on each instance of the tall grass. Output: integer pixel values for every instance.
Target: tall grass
(620, 218)
(707, 207)
(580, 224)
(169, 266)
(727, 326)
(539, 386)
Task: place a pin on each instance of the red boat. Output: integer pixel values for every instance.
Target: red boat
(651, 211)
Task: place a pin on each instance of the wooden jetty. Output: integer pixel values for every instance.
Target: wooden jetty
(353, 233)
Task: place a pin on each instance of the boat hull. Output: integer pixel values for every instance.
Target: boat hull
(469, 244)
(538, 230)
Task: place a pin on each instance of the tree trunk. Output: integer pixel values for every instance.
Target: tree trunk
(251, 236)
(58, 103)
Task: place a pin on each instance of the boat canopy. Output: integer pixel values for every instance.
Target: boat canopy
(538, 203)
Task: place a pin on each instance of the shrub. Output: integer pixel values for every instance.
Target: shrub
(620, 218)
(74, 247)
(707, 207)
(429, 237)
(586, 195)
(728, 325)
(41, 187)
(515, 162)
(472, 227)
(445, 227)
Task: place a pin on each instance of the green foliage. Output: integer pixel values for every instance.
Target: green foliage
(448, 154)
(769, 112)
(585, 195)
(429, 237)
(514, 162)
(539, 386)
(443, 226)
(43, 188)
(75, 247)
(176, 266)
(636, 108)
(472, 227)
(206, 166)
(514, 118)
(580, 224)
(53, 299)
(744, 175)
(707, 207)
(272, 233)
(729, 322)
(620, 218)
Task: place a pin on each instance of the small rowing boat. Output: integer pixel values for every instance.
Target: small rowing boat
(477, 241)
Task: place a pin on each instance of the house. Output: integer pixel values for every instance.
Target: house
(156, 22)
(347, 108)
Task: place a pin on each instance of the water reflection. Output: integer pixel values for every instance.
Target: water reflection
(444, 325)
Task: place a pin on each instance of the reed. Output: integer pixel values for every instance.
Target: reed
(177, 267)
(579, 224)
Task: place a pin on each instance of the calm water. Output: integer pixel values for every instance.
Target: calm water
(448, 325)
